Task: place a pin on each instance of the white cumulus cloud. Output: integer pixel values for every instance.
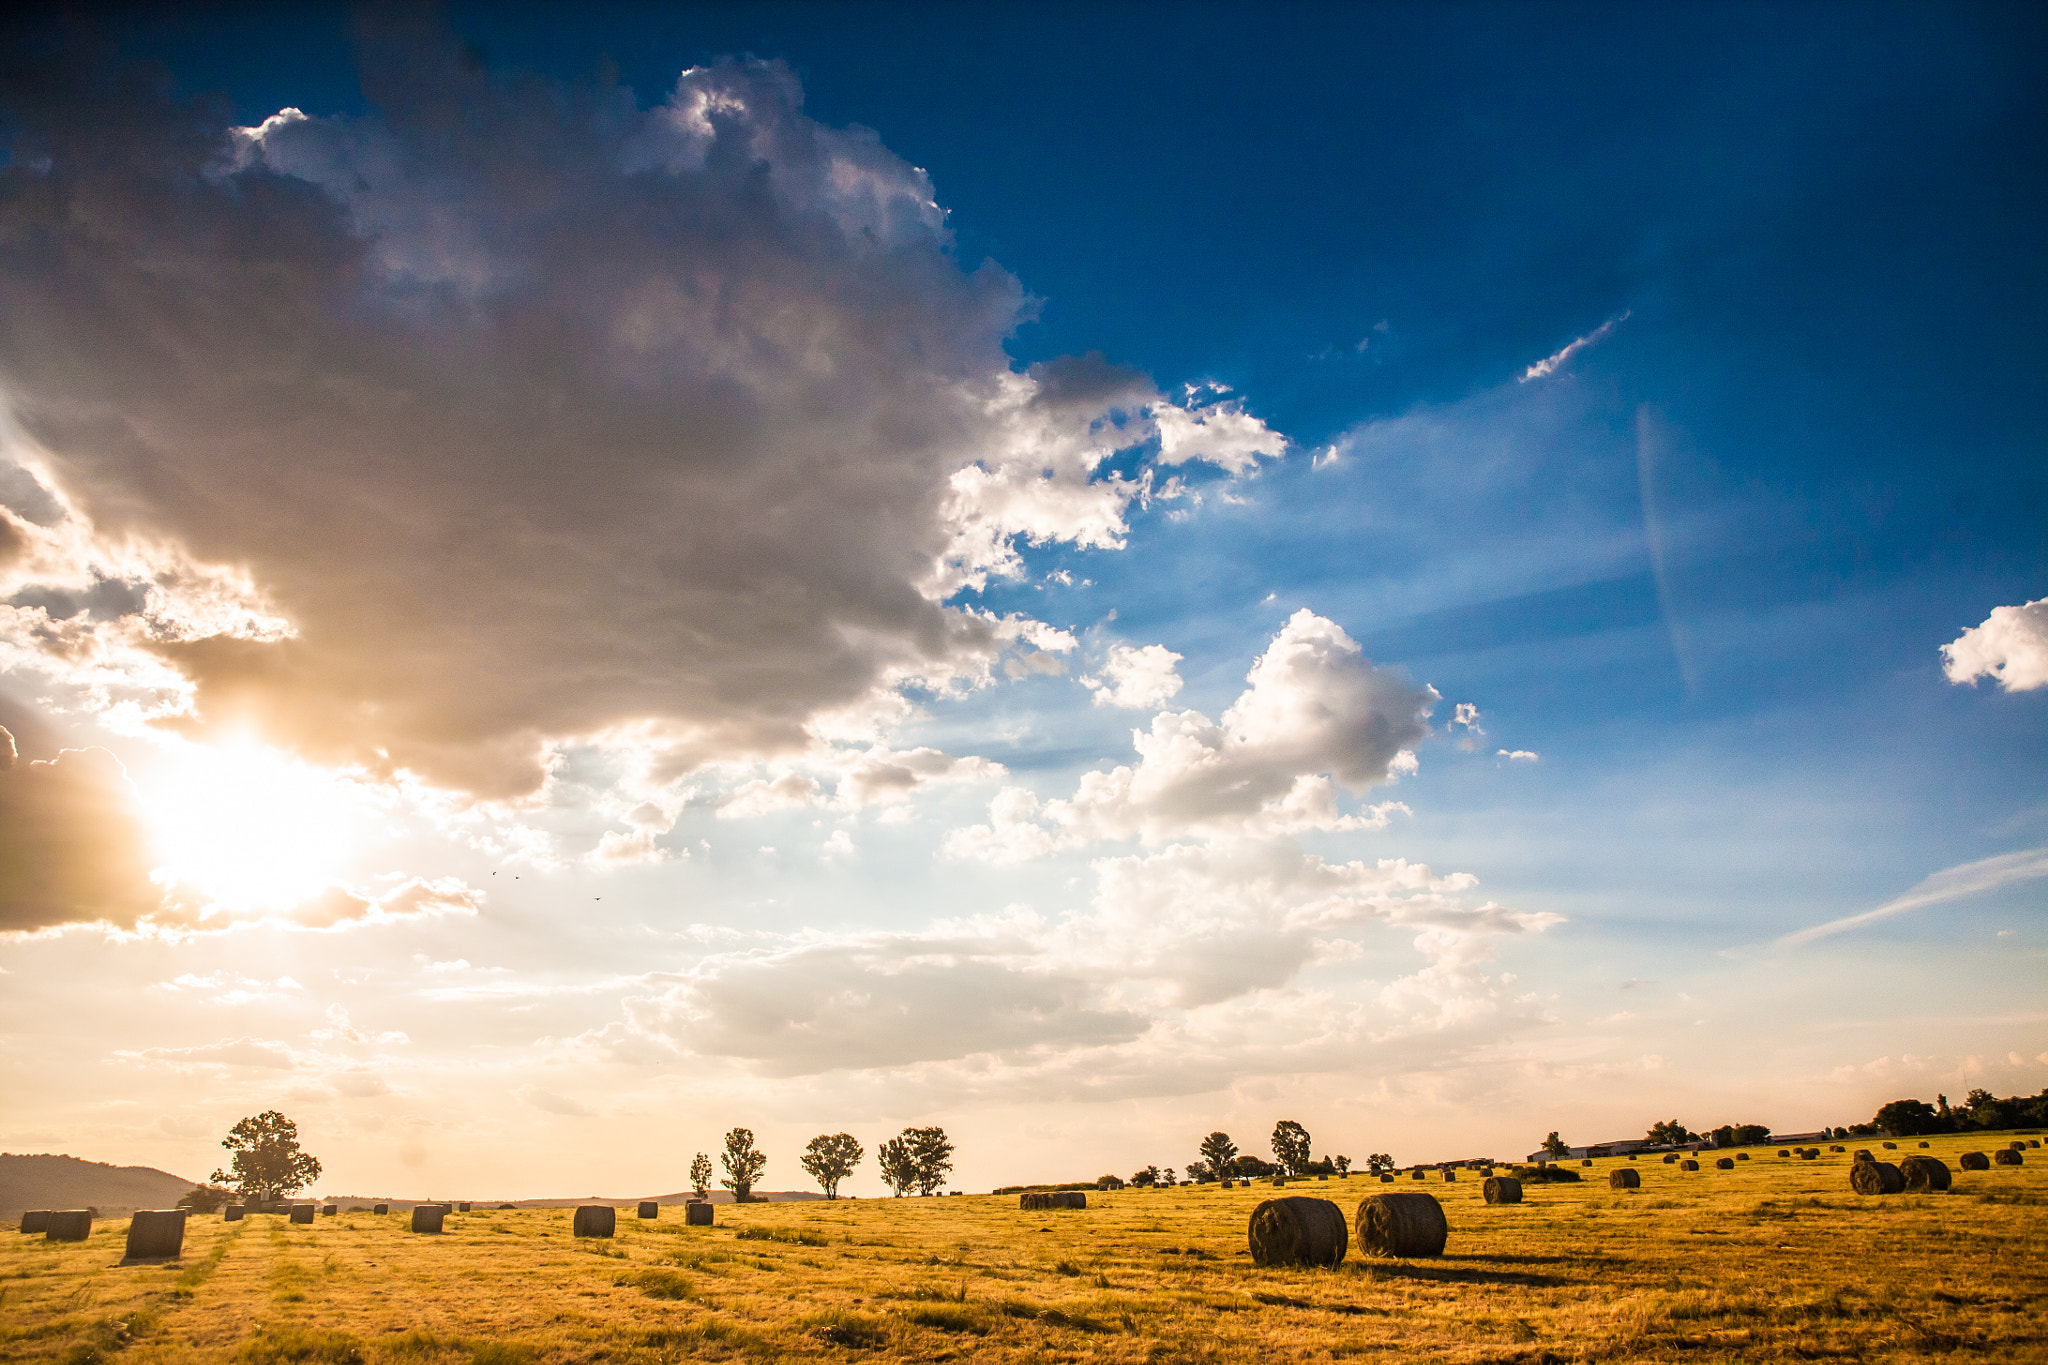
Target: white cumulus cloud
(1136, 677)
(2010, 647)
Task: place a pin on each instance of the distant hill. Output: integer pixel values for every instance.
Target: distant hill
(65, 1182)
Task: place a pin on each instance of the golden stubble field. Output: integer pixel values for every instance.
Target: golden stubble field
(1775, 1260)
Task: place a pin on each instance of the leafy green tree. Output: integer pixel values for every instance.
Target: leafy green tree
(1342, 1163)
(1908, 1118)
(1555, 1145)
(1147, 1177)
(1219, 1153)
(1166, 1176)
(204, 1198)
(931, 1154)
(1672, 1132)
(1379, 1163)
(267, 1162)
(743, 1165)
(899, 1165)
(700, 1174)
(1291, 1146)
(830, 1159)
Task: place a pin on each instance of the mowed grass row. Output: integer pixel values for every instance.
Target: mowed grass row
(1775, 1260)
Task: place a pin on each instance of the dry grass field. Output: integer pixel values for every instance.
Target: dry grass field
(1775, 1260)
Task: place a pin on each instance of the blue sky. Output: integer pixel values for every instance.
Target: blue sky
(1662, 382)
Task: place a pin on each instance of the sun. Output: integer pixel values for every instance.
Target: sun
(249, 828)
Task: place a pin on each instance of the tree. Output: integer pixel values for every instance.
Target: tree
(700, 1174)
(1199, 1172)
(1166, 1176)
(204, 1198)
(1253, 1167)
(1342, 1163)
(1671, 1132)
(1291, 1146)
(1108, 1182)
(1555, 1145)
(830, 1159)
(743, 1165)
(1378, 1163)
(931, 1155)
(1147, 1177)
(899, 1166)
(1219, 1153)
(267, 1163)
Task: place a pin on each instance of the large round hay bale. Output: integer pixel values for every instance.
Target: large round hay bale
(1836, 1149)
(463, 1207)
(1810, 1154)
(1891, 1146)
(380, 1208)
(329, 1210)
(1924, 1173)
(35, 1220)
(68, 1225)
(697, 1213)
(649, 1209)
(2006, 1156)
(154, 1233)
(1875, 1177)
(1688, 1165)
(303, 1213)
(1863, 1154)
(1724, 1164)
(232, 1213)
(1624, 1178)
(1974, 1161)
(1386, 1178)
(1670, 1157)
(426, 1218)
(1502, 1189)
(1924, 1143)
(1029, 1201)
(2016, 1145)
(1297, 1230)
(1402, 1225)
(1742, 1156)
(1784, 1151)
(594, 1220)
(1587, 1161)
(2033, 1142)
(1071, 1199)
(1450, 1176)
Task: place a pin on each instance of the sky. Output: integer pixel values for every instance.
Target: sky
(576, 578)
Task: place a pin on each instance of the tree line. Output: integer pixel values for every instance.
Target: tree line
(1980, 1110)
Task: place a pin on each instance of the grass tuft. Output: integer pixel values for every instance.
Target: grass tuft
(293, 1345)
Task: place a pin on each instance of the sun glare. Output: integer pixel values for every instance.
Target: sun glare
(249, 828)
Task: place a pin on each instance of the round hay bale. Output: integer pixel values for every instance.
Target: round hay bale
(1322, 1177)
(2033, 1142)
(1863, 1154)
(2006, 1156)
(1875, 1177)
(1810, 1154)
(35, 1220)
(1724, 1164)
(594, 1220)
(1624, 1178)
(1586, 1161)
(649, 1209)
(302, 1213)
(1836, 1149)
(1278, 1181)
(1297, 1230)
(2016, 1146)
(1784, 1151)
(1074, 1199)
(463, 1207)
(697, 1213)
(1670, 1157)
(1923, 1142)
(329, 1210)
(426, 1218)
(1421, 1174)
(380, 1208)
(1974, 1161)
(1504, 1189)
(1891, 1146)
(1450, 1176)
(232, 1213)
(1386, 1179)
(1030, 1201)
(1402, 1225)
(68, 1225)
(1742, 1156)
(1688, 1165)
(155, 1233)
(1925, 1173)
